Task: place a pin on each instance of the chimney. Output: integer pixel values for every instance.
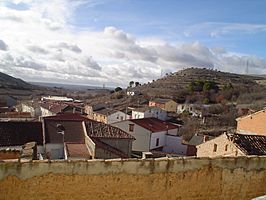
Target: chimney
(205, 138)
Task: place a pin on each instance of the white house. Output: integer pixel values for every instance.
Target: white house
(57, 98)
(194, 109)
(147, 112)
(30, 107)
(153, 134)
(133, 93)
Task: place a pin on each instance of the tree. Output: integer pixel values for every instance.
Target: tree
(131, 83)
(137, 84)
(118, 89)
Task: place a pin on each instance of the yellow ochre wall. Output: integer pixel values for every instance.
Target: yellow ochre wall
(164, 179)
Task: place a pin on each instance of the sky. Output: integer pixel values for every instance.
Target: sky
(111, 42)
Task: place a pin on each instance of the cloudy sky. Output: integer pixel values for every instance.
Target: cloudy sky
(111, 42)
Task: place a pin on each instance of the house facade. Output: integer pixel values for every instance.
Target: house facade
(31, 107)
(147, 112)
(197, 139)
(233, 144)
(109, 116)
(253, 124)
(152, 134)
(165, 104)
(90, 108)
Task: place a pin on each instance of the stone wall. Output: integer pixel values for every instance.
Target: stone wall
(169, 179)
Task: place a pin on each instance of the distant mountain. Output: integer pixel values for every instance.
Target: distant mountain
(68, 86)
(9, 82)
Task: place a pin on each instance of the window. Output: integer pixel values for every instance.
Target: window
(131, 127)
(157, 142)
(121, 118)
(226, 147)
(215, 148)
(117, 117)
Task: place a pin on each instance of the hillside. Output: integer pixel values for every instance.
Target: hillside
(221, 87)
(26, 91)
(9, 82)
(171, 85)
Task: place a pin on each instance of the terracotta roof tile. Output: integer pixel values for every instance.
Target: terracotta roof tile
(154, 124)
(68, 117)
(101, 130)
(249, 144)
(54, 107)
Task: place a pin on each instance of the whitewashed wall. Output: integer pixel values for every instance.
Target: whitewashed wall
(174, 145)
(155, 136)
(142, 136)
(117, 117)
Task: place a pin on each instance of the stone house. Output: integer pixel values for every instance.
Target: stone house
(197, 139)
(253, 124)
(166, 104)
(147, 112)
(233, 144)
(153, 134)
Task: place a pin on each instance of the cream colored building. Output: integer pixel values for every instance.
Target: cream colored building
(253, 124)
(165, 104)
(233, 144)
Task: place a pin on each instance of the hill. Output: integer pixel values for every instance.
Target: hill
(9, 82)
(173, 85)
(196, 85)
(25, 91)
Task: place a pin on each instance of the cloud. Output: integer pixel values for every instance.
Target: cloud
(64, 45)
(37, 49)
(3, 46)
(50, 49)
(216, 29)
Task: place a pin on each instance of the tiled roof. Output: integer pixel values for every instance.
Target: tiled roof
(19, 133)
(77, 150)
(144, 109)
(102, 145)
(106, 111)
(68, 117)
(159, 100)
(101, 130)
(54, 107)
(154, 124)
(249, 144)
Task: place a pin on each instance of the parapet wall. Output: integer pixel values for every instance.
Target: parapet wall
(167, 178)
